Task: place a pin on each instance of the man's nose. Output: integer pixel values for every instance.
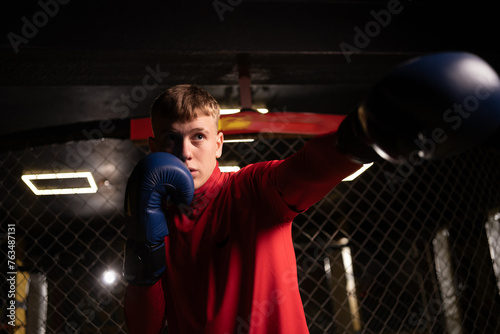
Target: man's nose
(185, 153)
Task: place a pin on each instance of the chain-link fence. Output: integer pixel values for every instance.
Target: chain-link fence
(401, 249)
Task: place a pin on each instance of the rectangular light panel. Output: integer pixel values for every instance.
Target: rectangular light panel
(92, 188)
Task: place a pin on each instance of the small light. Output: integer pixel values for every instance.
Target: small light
(358, 172)
(109, 277)
(263, 110)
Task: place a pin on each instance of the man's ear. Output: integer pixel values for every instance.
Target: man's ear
(152, 144)
(220, 141)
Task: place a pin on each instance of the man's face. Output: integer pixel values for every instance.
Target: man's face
(197, 143)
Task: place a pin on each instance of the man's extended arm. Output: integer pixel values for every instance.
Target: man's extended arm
(411, 114)
(308, 175)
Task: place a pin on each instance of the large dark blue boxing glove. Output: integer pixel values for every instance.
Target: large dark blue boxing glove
(427, 108)
(155, 178)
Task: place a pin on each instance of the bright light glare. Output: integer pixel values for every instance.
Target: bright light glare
(229, 168)
(229, 111)
(358, 172)
(493, 233)
(477, 69)
(242, 140)
(109, 277)
(92, 188)
(350, 285)
(235, 111)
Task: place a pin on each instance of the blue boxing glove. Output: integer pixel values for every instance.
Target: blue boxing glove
(427, 108)
(155, 178)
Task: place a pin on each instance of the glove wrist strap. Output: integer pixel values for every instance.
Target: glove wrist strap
(144, 264)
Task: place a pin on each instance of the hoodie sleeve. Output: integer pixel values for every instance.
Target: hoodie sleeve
(307, 176)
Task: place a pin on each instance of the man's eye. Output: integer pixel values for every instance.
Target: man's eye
(169, 138)
(199, 136)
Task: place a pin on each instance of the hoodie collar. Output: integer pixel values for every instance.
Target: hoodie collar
(210, 189)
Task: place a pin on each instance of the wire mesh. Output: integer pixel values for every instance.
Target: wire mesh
(401, 249)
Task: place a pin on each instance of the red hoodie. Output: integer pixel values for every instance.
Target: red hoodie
(231, 264)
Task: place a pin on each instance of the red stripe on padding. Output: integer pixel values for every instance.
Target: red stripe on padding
(252, 122)
(140, 128)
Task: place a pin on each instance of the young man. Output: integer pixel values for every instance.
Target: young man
(231, 264)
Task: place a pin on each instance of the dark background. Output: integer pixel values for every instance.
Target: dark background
(68, 74)
(85, 54)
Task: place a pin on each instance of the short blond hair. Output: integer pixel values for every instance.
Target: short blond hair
(184, 103)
